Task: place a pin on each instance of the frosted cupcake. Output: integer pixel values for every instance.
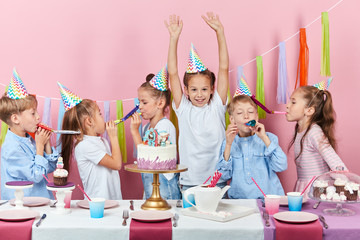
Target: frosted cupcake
(60, 175)
(319, 187)
(340, 185)
(351, 191)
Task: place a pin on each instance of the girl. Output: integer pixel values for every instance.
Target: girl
(201, 112)
(314, 141)
(98, 166)
(153, 103)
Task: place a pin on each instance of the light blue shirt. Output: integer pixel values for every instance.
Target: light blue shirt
(19, 162)
(249, 157)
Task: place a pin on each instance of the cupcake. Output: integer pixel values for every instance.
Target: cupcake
(339, 185)
(319, 187)
(351, 191)
(60, 175)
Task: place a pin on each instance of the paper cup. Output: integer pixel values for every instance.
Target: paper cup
(97, 207)
(272, 204)
(191, 198)
(67, 199)
(294, 201)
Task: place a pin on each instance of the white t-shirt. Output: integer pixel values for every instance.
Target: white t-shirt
(98, 181)
(201, 132)
(164, 125)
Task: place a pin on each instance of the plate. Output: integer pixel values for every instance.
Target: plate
(18, 215)
(295, 217)
(284, 201)
(151, 216)
(32, 201)
(108, 204)
(224, 212)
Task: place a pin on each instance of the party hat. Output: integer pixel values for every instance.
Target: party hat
(69, 99)
(16, 89)
(323, 85)
(161, 80)
(243, 88)
(194, 63)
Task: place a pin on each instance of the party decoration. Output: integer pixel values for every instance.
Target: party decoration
(215, 179)
(227, 116)
(174, 120)
(106, 117)
(161, 80)
(251, 123)
(303, 63)
(69, 98)
(282, 91)
(59, 124)
(195, 64)
(243, 87)
(323, 85)
(151, 137)
(16, 89)
(265, 108)
(127, 116)
(260, 86)
(325, 48)
(4, 128)
(137, 102)
(121, 130)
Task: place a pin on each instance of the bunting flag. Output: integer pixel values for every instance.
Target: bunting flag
(260, 95)
(303, 63)
(227, 117)
(121, 130)
(4, 128)
(59, 124)
(46, 118)
(325, 48)
(106, 117)
(282, 87)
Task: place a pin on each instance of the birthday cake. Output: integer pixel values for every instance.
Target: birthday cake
(156, 152)
(60, 175)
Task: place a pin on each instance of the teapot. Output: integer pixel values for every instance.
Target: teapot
(206, 198)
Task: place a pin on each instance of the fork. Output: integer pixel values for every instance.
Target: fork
(322, 219)
(176, 218)
(125, 216)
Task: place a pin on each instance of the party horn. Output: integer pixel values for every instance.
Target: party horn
(251, 123)
(58, 131)
(265, 108)
(127, 116)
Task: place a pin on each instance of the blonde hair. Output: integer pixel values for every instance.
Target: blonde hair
(242, 99)
(9, 106)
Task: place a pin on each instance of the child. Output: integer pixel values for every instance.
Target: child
(314, 141)
(22, 157)
(98, 166)
(250, 152)
(201, 112)
(154, 97)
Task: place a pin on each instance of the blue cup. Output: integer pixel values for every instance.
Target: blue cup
(97, 207)
(191, 198)
(294, 201)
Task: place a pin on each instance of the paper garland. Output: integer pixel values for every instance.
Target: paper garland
(303, 63)
(282, 87)
(325, 48)
(121, 130)
(260, 90)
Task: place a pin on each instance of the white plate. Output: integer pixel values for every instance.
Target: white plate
(18, 215)
(32, 201)
(151, 216)
(225, 212)
(284, 201)
(108, 204)
(295, 217)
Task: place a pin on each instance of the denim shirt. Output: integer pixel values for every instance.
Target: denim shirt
(19, 162)
(249, 157)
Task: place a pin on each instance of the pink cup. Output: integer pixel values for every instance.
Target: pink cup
(67, 199)
(272, 203)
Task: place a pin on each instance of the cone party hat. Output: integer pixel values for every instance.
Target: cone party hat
(243, 88)
(161, 80)
(16, 89)
(323, 85)
(69, 99)
(194, 63)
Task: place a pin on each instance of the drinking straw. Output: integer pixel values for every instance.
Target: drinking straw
(207, 179)
(258, 187)
(83, 192)
(46, 178)
(307, 185)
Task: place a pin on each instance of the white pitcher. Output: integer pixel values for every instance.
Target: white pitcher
(206, 198)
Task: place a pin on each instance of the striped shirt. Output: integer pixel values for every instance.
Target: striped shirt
(317, 157)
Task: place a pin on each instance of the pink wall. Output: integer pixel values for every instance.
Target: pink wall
(104, 49)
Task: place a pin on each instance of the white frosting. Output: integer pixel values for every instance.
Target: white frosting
(336, 197)
(330, 189)
(351, 186)
(339, 182)
(159, 154)
(60, 172)
(321, 183)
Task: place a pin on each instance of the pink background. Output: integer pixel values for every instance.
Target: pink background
(104, 49)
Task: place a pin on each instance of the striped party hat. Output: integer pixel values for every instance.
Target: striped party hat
(161, 80)
(195, 64)
(323, 85)
(243, 88)
(16, 89)
(69, 99)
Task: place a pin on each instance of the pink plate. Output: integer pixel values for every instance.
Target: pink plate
(18, 215)
(284, 201)
(295, 217)
(151, 216)
(32, 201)
(108, 204)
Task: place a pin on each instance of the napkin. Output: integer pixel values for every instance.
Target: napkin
(16, 230)
(295, 231)
(150, 230)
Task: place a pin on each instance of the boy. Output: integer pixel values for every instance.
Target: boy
(22, 157)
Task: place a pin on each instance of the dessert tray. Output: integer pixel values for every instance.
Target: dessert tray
(224, 213)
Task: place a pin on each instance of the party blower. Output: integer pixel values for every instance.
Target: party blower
(58, 131)
(265, 108)
(127, 116)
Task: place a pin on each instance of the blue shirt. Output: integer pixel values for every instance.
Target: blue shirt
(19, 162)
(249, 157)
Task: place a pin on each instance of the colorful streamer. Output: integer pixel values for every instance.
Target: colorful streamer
(121, 130)
(4, 128)
(282, 88)
(227, 117)
(260, 90)
(59, 124)
(325, 48)
(106, 117)
(303, 63)
(46, 118)
(174, 119)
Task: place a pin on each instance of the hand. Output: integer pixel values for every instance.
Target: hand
(42, 136)
(213, 21)
(111, 129)
(135, 122)
(174, 26)
(259, 129)
(230, 133)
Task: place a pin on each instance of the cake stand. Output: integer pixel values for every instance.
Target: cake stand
(60, 196)
(338, 210)
(155, 202)
(18, 186)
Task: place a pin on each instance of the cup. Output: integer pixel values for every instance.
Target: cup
(272, 203)
(191, 198)
(67, 199)
(97, 207)
(294, 201)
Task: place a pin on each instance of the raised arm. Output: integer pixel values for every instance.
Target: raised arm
(223, 75)
(174, 27)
